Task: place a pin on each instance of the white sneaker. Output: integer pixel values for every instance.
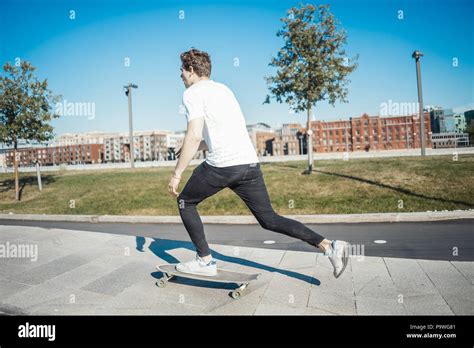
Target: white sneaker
(198, 267)
(338, 254)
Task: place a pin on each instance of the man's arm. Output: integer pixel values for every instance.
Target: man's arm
(195, 114)
(202, 146)
(192, 141)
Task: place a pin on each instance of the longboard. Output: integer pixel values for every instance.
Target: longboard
(223, 276)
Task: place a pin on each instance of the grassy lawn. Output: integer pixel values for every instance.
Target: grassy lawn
(354, 186)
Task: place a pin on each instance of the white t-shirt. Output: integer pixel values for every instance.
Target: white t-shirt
(224, 129)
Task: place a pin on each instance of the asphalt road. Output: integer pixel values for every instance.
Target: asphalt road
(439, 240)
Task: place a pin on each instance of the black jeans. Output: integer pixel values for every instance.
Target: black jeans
(246, 180)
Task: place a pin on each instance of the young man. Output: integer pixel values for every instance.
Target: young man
(214, 114)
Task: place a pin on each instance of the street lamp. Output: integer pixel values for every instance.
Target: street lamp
(128, 93)
(309, 143)
(416, 55)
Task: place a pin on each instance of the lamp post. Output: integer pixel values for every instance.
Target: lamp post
(309, 142)
(416, 55)
(128, 93)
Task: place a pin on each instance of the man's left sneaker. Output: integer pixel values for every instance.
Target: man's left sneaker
(338, 254)
(198, 267)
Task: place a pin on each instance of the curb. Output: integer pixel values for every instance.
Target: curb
(250, 219)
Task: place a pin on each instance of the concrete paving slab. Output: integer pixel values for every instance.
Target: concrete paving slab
(457, 291)
(379, 306)
(466, 269)
(332, 301)
(51, 269)
(288, 292)
(426, 304)
(9, 288)
(246, 305)
(409, 278)
(118, 280)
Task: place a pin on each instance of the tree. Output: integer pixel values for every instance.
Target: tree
(25, 109)
(312, 65)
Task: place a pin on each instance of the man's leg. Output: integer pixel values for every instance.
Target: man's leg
(195, 191)
(254, 193)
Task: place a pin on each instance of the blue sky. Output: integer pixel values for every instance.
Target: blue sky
(84, 58)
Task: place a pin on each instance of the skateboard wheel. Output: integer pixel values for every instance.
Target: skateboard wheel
(161, 283)
(236, 294)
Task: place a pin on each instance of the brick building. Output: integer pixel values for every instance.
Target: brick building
(70, 154)
(370, 133)
(357, 134)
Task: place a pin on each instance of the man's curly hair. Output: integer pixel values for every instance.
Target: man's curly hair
(199, 60)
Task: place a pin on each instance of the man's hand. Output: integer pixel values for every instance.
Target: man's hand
(173, 185)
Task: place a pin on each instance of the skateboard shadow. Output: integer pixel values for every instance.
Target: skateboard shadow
(160, 247)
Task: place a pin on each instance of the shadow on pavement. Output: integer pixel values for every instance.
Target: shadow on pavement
(160, 248)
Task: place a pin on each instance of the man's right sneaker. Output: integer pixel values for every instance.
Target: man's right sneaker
(199, 267)
(338, 254)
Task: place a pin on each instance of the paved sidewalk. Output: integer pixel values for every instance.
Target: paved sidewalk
(80, 272)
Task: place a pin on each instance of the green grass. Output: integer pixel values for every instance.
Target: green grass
(354, 186)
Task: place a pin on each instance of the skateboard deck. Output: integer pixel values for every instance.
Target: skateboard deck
(223, 276)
